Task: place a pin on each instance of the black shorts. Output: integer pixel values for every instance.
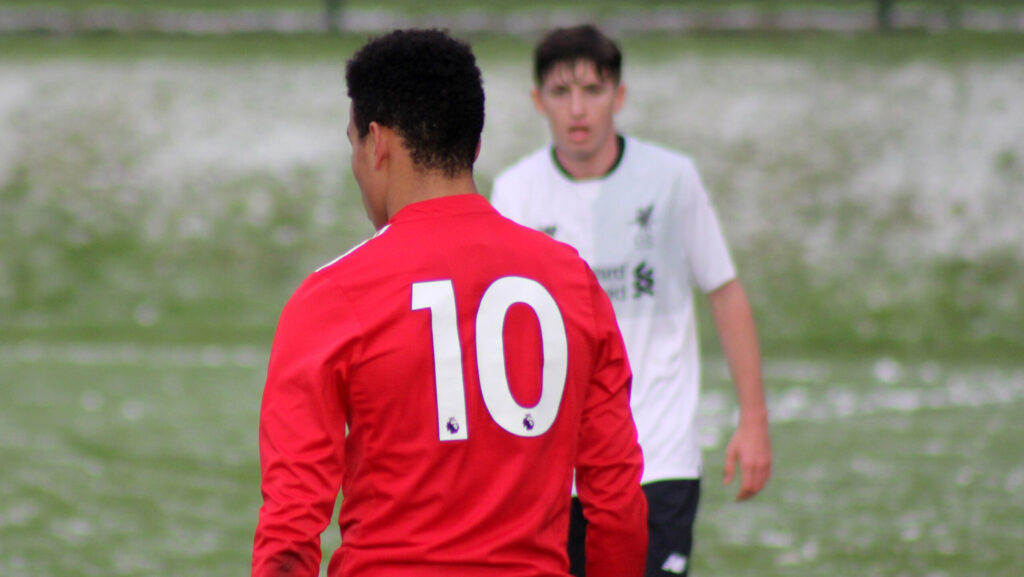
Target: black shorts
(671, 512)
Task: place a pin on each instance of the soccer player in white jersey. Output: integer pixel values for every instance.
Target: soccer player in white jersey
(640, 216)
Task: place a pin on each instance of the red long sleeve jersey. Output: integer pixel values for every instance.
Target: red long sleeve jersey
(475, 363)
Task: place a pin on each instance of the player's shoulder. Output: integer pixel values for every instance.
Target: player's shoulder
(661, 165)
(344, 272)
(525, 168)
(659, 156)
(347, 258)
(540, 248)
(367, 254)
(324, 293)
(522, 234)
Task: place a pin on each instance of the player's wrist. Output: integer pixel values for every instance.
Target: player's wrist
(754, 416)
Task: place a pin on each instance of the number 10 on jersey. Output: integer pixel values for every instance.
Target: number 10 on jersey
(439, 297)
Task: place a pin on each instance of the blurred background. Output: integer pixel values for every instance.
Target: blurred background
(170, 171)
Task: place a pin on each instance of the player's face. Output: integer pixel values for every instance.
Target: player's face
(363, 168)
(580, 107)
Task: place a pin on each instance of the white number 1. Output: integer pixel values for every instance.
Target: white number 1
(439, 298)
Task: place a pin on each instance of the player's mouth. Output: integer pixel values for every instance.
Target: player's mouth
(578, 134)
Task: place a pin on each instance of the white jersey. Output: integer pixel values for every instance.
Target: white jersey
(650, 234)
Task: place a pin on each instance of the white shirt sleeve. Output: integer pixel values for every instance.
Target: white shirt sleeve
(710, 264)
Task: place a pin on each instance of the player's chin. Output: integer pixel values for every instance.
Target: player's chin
(577, 149)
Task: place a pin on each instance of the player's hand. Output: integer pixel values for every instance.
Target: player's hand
(750, 446)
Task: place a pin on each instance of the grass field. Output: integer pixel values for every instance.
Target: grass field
(129, 460)
(160, 197)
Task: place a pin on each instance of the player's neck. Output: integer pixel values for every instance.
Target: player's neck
(418, 186)
(596, 165)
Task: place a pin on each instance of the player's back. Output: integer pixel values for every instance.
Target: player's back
(474, 345)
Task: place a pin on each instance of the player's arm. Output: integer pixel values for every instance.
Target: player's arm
(712, 268)
(302, 434)
(750, 444)
(610, 462)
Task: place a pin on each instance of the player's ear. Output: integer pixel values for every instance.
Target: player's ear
(380, 142)
(535, 96)
(620, 96)
(476, 154)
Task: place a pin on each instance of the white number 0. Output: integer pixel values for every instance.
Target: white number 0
(439, 297)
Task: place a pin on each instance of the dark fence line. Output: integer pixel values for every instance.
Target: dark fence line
(668, 20)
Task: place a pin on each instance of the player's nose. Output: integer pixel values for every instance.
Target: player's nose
(576, 103)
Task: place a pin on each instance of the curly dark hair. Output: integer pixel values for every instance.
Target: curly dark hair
(579, 43)
(426, 86)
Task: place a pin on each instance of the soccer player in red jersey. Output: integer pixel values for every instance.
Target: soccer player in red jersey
(449, 374)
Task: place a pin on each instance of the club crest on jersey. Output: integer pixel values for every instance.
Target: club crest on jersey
(453, 425)
(643, 280)
(644, 237)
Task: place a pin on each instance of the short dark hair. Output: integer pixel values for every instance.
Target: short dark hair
(426, 86)
(579, 43)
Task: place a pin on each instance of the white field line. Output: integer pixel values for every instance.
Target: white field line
(820, 398)
(815, 396)
(127, 354)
